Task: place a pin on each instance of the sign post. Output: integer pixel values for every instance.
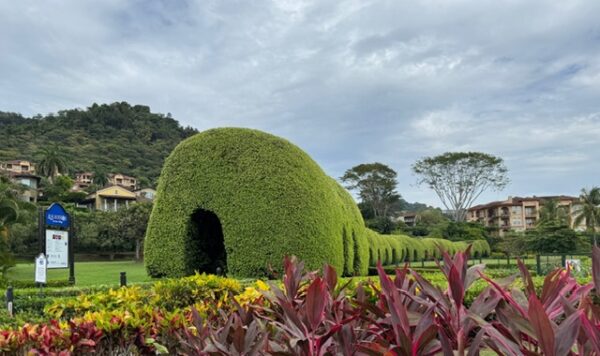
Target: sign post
(56, 239)
(41, 269)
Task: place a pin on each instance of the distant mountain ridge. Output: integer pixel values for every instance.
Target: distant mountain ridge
(115, 137)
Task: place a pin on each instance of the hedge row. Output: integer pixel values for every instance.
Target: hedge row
(395, 249)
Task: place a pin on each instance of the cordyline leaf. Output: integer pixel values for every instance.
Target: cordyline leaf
(476, 343)
(485, 303)
(445, 343)
(513, 322)
(428, 289)
(506, 296)
(502, 342)
(425, 332)
(473, 274)
(592, 333)
(316, 299)
(293, 276)
(542, 326)
(596, 268)
(397, 310)
(330, 276)
(456, 286)
(529, 286)
(553, 283)
(566, 334)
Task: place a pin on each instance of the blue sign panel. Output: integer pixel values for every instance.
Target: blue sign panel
(57, 216)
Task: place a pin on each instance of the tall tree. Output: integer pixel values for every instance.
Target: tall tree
(376, 186)
(551, 211)
(100, 178)
(459, 178)
(590, 211)
(12, 211)
(52, 163)
(132, 225)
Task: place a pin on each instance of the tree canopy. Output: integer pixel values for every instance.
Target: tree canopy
(459, 178)
(376, 186)
(590, 211)
(116, 137)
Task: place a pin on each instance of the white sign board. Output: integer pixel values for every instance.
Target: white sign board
(57, 248)
(574, 264)
(41, 265)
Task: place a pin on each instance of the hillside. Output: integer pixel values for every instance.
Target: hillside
(114, 137)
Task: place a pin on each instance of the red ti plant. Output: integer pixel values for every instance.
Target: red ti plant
(309, 320)
(400, 323)
(460, 329)
(561, 321)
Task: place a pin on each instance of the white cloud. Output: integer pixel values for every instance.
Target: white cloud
(349, 81)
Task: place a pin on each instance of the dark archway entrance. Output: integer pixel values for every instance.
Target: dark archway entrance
(206, 250)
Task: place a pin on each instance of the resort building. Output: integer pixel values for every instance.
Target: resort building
(23, 172)
(409, 218)
(18, 166)
(122, 180)
(146, 194)
(83, 180)
(111, 198)
(520, 214)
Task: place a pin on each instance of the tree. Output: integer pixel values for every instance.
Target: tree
(100, 178)
(459, 178)
(52, 163)
(12, 211)
(58, 190)
(376, 185)
(554, 237)
(132, 225)
(590, 211)
(551, 211)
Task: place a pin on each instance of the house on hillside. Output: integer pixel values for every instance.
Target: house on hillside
(122, 180)
(146, 194)
(18, 166)
(23, 172)
(521, 213)
(83, 180)
(111, 198)
(409, 218)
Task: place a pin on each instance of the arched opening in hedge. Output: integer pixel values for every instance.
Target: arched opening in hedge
(206, 247)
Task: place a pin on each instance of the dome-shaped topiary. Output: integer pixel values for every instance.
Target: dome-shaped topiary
(241, 199)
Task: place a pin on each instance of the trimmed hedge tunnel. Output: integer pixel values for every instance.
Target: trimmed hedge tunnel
(241, 199)
(270, 200)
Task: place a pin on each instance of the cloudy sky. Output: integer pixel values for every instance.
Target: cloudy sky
(348, 81)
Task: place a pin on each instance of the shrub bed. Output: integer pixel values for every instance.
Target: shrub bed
(456, 310)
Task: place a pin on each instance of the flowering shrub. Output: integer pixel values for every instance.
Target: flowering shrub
(317, 314)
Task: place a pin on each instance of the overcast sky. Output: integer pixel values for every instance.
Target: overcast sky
(348, 81)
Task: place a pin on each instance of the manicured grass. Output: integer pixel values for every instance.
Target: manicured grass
(87, 273)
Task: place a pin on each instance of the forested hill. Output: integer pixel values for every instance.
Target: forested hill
(106, 138)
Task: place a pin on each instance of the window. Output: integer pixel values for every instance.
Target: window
(517, 222)
(516, 210)
(530, 210)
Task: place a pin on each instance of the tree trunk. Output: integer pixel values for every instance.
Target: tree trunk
(138, 245)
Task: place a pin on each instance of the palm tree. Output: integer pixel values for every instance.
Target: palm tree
(552, 212)
(100, 178)
(52, 163)
(590, 211)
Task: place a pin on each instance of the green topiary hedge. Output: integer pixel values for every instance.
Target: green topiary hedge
(241, 199)
(396, 249)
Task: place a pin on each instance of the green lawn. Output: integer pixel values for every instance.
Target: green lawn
(87, 273)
